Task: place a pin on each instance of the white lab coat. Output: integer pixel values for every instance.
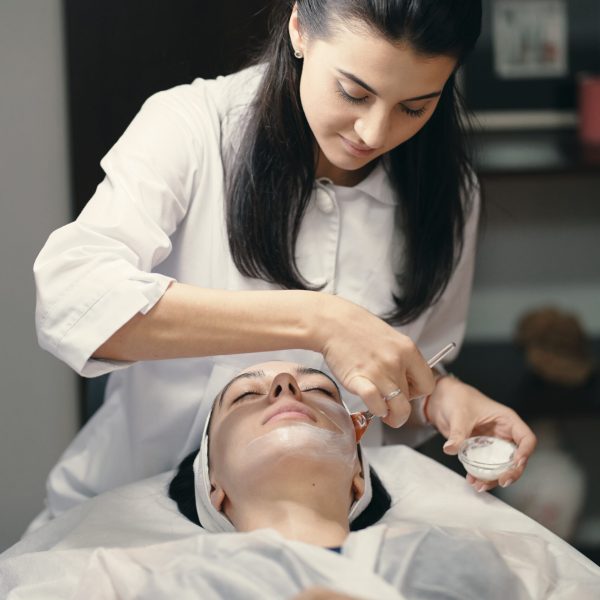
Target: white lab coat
(158, 216)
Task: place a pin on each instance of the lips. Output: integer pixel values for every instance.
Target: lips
(289, 406)
(359, 147)
(356, 150)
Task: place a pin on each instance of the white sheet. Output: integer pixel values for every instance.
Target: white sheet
(117, 544)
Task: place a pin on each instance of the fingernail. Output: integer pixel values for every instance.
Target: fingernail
(481, 488)
(448, 444)
(507, 483)
(521, 463)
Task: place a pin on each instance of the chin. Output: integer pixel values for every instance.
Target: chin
(344, 162)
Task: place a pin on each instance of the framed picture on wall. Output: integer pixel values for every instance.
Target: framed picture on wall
(524, 69)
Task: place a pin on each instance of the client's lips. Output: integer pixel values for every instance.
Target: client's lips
(289, 406)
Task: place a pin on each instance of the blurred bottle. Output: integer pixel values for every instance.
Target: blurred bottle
(589, 109)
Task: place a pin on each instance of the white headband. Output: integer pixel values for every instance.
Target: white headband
(216, 522)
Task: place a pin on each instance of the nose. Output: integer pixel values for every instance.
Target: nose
(372, 128)
(283, 385)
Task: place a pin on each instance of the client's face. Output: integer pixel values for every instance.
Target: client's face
(276, 419)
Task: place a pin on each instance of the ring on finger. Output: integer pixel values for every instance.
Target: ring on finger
(393, 394)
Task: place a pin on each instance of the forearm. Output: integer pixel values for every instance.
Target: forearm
(190, 321)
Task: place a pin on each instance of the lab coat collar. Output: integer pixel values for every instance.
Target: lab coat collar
(376, 185)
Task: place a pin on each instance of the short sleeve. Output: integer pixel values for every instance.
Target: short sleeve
(94, 274)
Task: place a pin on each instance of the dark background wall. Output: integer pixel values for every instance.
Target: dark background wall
(120, 53)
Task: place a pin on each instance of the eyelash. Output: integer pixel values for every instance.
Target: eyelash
(252, 393)
(348, 98)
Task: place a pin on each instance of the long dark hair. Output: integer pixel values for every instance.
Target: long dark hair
(182, 491)
(272, 178)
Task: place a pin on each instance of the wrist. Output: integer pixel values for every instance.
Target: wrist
(318, 315)
(443, 389)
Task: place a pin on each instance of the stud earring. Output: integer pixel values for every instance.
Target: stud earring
(298, 54)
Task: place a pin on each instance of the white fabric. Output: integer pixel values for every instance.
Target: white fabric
(131, 542)
(158, 216)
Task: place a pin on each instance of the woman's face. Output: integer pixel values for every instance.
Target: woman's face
(363, 96)
(274, 416)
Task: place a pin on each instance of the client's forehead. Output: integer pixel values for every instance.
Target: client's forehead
(273, 367)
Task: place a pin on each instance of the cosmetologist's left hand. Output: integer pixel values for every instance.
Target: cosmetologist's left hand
(460, 411)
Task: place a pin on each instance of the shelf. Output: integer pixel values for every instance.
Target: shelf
(500, 153)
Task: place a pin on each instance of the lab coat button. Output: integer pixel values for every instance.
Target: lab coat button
(324, 202)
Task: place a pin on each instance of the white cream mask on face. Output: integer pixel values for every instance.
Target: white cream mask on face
(308, 441)
(214, 521)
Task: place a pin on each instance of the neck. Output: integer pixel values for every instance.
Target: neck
(299, 510)
(296, 522)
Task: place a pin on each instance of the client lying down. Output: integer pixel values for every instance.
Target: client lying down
(279, 453)
(289, 506)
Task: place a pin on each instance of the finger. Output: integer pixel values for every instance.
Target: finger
(481, 486)
(370, 395)
(399, 411)
(398, 406)
(525, 440)
(513, 475)
(419, 374)
(459, 432)
(485, 486)
(508, 478)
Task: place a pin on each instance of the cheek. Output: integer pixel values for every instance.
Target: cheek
(323, 109)
(226, 442)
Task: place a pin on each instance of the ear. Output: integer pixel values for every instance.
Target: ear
(217, 496)
(358, 482)
(295, 32)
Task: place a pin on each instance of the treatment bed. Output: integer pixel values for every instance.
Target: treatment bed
(132, 542)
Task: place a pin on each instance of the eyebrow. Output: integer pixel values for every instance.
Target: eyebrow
(309, 371)
(375, 93)
(252, 374)
(248, 375)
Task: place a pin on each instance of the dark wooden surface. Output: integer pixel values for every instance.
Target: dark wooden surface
(121, 52)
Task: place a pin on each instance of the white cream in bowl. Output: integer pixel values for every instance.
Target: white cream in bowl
(486, 457)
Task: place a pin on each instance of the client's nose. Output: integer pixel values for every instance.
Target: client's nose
(284, 384)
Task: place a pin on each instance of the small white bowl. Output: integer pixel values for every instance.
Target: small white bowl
(486, 457)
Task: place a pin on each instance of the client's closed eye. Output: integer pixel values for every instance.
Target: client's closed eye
(247, 396)
(322, 390)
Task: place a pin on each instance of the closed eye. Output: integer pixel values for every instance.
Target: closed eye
(321, 390)
(413, 113)
(247, 396)
(348, 98)
(353, 100)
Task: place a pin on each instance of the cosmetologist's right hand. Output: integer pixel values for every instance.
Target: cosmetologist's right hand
(371, 359)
